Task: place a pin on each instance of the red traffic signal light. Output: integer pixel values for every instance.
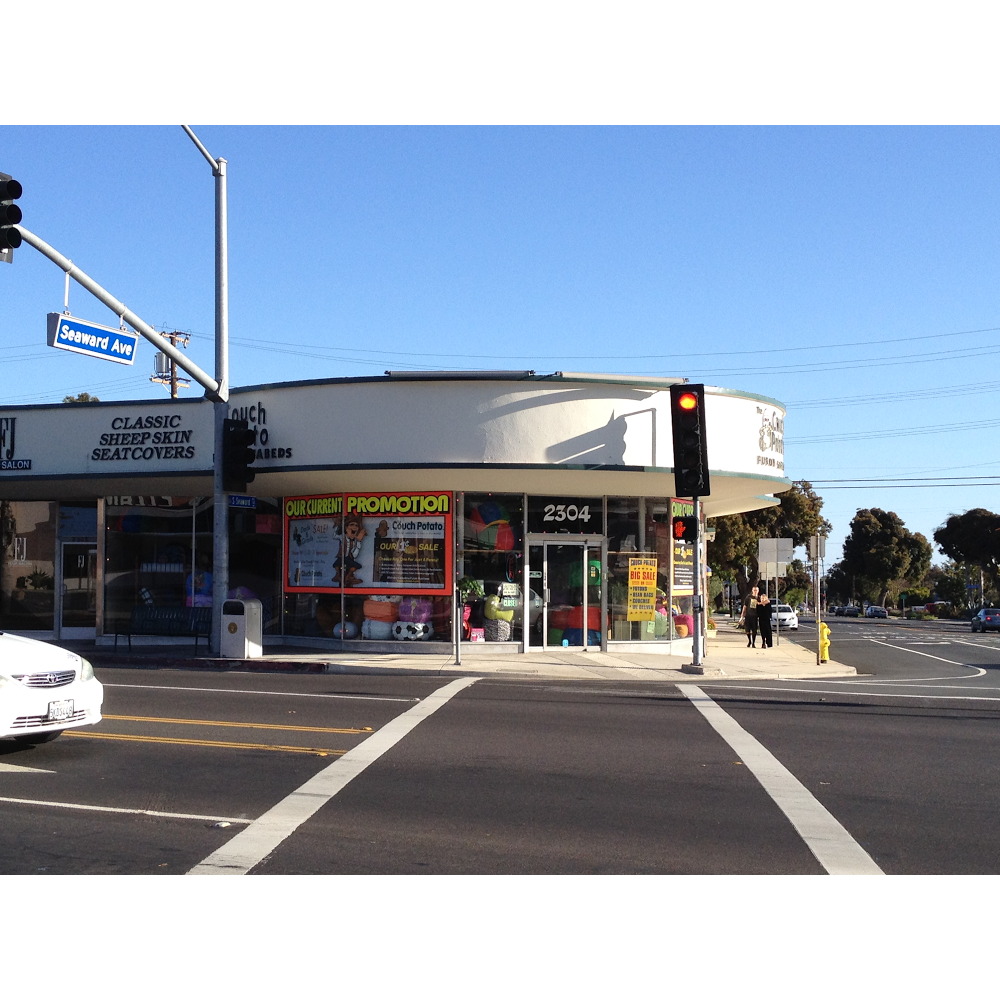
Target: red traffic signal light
(687, 418)
(685, 529)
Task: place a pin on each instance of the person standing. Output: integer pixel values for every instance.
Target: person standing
(748, 616)
(764, 610)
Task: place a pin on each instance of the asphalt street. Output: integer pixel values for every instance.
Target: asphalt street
(268, 773)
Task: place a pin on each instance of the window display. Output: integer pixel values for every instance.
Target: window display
(491, 569)
(374, 567)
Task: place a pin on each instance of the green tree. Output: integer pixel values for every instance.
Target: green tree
(733, 554)
(949, 583)
(973, 538)
(881, 550)
(82, 397)
(839, 584)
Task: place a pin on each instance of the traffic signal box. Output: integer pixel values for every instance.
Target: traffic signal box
(10, 215)
(687, 415)
(237, 455)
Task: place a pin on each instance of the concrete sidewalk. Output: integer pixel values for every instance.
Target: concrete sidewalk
(727, 656)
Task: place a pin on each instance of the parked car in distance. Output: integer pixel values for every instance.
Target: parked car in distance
(787, 618)
(988, 618)
(836, 610)
(851, 611)
(44, 689)
(874, 611)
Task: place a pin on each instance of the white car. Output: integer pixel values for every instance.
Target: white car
(45, 689)
(787, 618)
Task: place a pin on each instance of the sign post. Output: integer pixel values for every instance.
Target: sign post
(776, 552)
(817, 551)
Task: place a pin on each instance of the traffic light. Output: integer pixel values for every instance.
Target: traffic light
(687, 415)
(685, 529)
(10, 216)
(237, 455)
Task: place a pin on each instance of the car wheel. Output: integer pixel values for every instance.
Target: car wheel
(28, 739)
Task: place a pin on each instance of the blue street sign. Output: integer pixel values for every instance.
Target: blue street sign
(235, 500)
(83, 337)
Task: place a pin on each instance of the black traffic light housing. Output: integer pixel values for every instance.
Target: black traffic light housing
(687, 415)
(685, 529)
(237, 455)
(10, 215)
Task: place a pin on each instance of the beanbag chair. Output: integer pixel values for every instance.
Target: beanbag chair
(345, 630)
(411, 630)
(381, 611)
(375, 629)
(494, 611)
(415, 609)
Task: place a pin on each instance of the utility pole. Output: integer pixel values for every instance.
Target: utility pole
(165, 368)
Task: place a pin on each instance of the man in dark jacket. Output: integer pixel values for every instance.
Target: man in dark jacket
(748, 616)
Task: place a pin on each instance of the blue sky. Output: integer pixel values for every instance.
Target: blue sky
(807, 263)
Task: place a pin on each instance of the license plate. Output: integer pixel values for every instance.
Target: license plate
(59, 710)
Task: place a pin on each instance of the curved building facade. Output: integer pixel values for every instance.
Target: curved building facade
(545, 502)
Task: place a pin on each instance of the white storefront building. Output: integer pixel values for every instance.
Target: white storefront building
(541, 499)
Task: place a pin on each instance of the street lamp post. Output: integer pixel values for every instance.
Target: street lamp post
(220, 521)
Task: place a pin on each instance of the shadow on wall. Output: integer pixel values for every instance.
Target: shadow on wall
(603, 446)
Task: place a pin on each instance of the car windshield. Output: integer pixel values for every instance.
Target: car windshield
(785, 608)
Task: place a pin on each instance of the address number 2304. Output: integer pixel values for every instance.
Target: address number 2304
(564, 512)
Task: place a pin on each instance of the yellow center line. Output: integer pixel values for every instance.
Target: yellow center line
(203, 743)
(236, 725)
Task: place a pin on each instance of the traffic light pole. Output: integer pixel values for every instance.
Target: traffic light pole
(697, 599)
(220, 519)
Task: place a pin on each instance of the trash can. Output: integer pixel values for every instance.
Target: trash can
(242, 629)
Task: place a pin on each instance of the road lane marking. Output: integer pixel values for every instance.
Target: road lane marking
(236, 725)
(127, 812)
(974, 645)
(835, 849)
(842, 693)
(980, 672)
(257, 841)
(179, 741)
(283, 694)
(22, 768)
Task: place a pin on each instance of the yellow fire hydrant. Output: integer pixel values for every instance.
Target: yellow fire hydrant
(824, 642)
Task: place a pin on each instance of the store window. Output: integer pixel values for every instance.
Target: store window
(369, 567)
(255, 555)
(27, 565)
(159, 552)
(643, 603)
(491, 569)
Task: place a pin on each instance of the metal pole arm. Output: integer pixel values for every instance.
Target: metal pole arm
(119, 308)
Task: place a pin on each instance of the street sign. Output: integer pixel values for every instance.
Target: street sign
(775, 550)
(817, 542)
(83, 337)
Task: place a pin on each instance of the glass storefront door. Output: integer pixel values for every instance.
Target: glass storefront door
(567, 573)
(78, 597)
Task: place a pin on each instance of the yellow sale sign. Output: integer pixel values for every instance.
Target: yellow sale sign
(641, 589)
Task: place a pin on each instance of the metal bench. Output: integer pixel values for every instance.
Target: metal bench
(147, 619)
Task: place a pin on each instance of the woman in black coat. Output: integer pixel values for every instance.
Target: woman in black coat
(764, 610)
